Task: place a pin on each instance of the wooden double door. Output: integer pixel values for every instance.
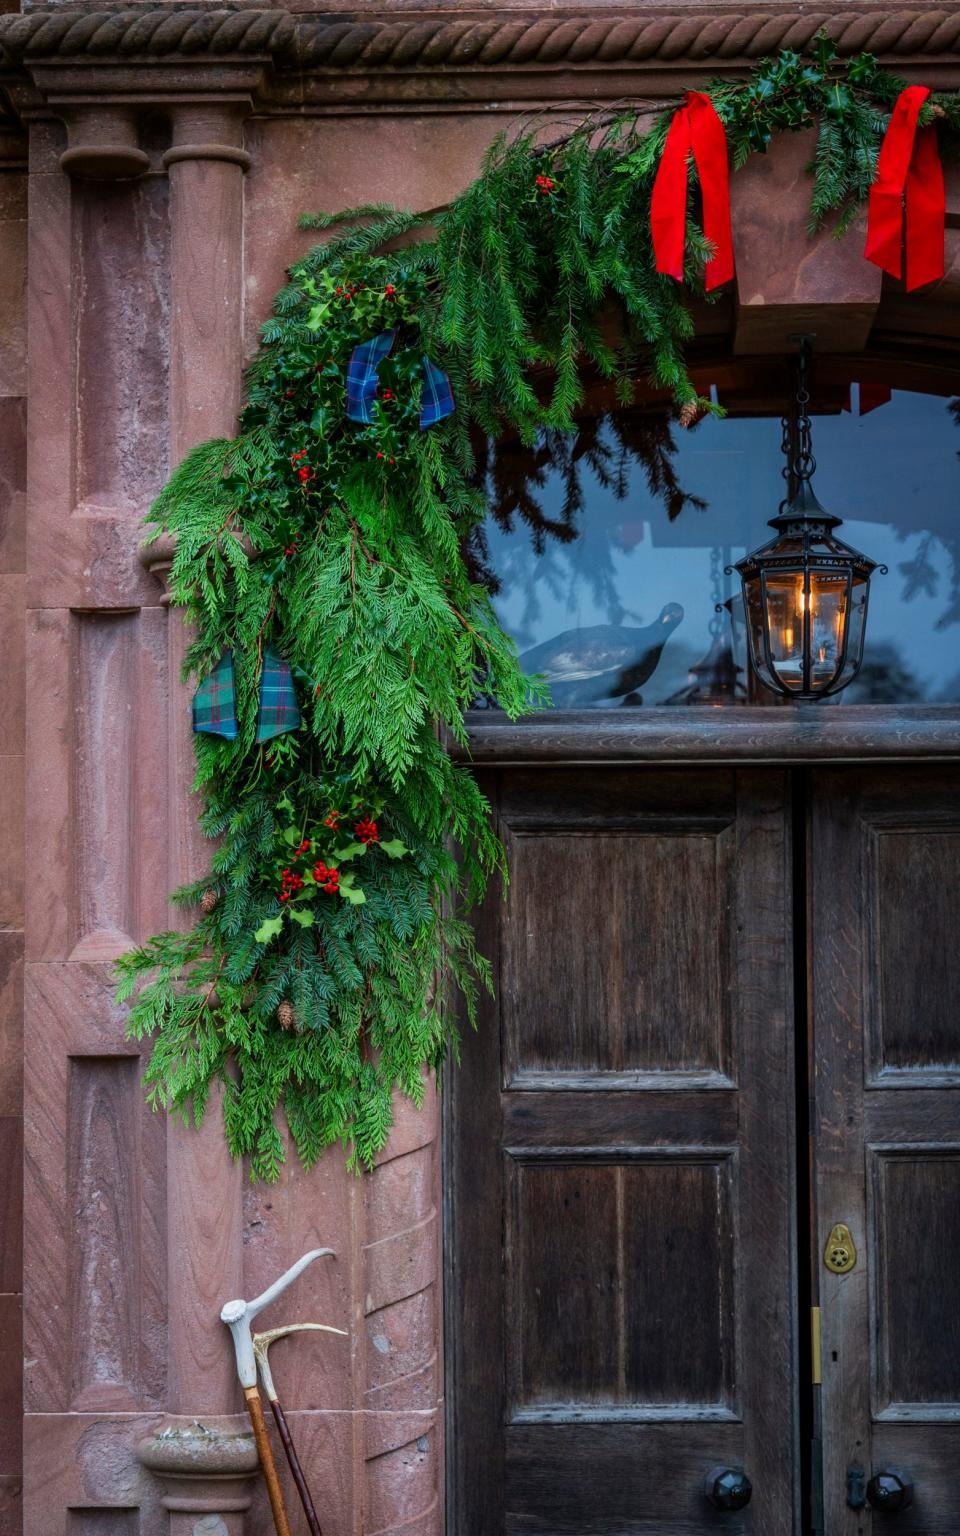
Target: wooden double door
(727, 1025)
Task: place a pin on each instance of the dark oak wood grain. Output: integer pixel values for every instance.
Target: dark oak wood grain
(886, 1019)
(803, 734)
(620, 1154)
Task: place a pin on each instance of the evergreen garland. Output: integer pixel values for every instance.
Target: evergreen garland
(333, 925)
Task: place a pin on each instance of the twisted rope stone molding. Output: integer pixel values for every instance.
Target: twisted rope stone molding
(410, 42)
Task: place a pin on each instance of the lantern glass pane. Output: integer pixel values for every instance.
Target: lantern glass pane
(829, 615)
(756, 636)
(786, 604)
(856, 628)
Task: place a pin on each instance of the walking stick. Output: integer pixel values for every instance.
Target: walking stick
(238, 1315)
(261, 1346)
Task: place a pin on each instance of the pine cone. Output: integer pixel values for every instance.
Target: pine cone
(690, 413)
(286, 1016)
(208, 902)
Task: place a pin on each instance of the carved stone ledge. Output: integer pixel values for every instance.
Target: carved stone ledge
(481, 40)
(202, 1468)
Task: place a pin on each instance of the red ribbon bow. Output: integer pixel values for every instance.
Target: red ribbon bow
(908, 192)
(695, 129)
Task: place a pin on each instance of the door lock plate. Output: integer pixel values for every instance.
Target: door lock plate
(840, 1254)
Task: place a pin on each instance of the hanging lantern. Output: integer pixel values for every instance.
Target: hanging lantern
(805, 592)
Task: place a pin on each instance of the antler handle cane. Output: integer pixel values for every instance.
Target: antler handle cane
(261, 1346)
(238, 1316)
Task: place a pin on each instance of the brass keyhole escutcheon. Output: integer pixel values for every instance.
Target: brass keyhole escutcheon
(840, 1254)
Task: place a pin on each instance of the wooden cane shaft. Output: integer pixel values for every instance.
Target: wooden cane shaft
(267, 1463)
(305, 1498)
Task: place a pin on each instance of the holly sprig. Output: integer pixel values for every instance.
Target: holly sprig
(309, 860)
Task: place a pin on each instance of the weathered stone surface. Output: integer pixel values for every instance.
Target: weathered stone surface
(789, 282)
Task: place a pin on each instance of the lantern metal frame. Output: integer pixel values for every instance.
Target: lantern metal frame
(804, 546)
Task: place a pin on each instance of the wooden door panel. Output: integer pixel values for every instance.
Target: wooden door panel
(912, 969)
(620, 1147)
(554, 1471)
(651, 997)
(619, 1285)
(885, 862)
(915, 1228)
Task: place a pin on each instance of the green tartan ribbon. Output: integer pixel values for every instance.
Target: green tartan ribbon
(279, 711)
(215, 701)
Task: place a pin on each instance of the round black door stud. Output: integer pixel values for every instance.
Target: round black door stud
(728, 1488)
(889, 1492)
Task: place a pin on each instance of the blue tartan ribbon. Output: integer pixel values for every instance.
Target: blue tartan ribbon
(279, 711)
(436, 400)
(215, 702)
(362, 379)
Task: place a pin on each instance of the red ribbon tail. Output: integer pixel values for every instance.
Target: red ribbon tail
(709, 142)
(925, 212)
(668, 200)
(884, 245)
(885, 216)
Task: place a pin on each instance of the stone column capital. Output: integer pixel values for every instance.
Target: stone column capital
(104, 105)
(204, 130)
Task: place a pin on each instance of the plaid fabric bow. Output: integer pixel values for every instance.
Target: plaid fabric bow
(436, 400)
(215, 701)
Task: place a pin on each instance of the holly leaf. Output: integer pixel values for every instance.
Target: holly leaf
(317, 312)
(394, 849)
(350, 851)
(301, 915)
(353, 894)
(291, 835)
(269, 929)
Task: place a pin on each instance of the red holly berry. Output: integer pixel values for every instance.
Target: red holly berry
(379, 455)
(289, 394)
(333, 820)
(387, 394)
(305, 845)
(390, 291)
(366, 830)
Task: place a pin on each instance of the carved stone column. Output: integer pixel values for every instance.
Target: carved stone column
(205, 166)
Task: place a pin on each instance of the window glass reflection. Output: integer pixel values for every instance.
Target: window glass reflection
(607, 553)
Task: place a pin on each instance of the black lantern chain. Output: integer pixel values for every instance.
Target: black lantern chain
(805, 591)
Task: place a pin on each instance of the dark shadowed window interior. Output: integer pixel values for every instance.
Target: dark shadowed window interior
(607, 552)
